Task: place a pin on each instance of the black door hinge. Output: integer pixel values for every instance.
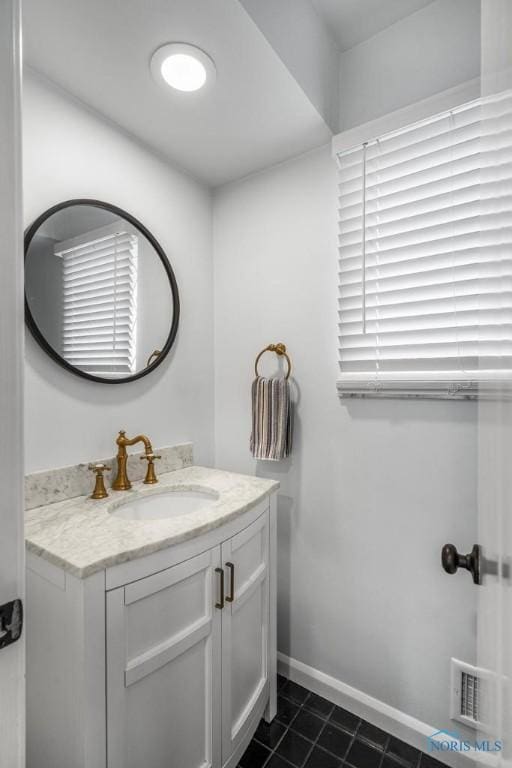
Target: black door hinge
(11, 622)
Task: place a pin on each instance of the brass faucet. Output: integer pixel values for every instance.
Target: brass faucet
(122, 483)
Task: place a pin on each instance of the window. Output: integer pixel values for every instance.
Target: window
(100, 301)
(425, 269)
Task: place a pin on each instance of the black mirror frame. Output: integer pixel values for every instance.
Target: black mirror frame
(32, 325)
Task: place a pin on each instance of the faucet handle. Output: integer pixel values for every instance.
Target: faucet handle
(100, 491)
(99, 467)
(150, 474)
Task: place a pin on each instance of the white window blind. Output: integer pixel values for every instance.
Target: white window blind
(425, 268)
(100, 302)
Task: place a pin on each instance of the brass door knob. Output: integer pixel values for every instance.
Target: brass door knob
(100, 492)
(150, 473)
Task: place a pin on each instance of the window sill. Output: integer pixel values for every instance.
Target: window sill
(426, 389)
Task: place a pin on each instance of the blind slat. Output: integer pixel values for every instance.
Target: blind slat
(99, 304)
(425, 240)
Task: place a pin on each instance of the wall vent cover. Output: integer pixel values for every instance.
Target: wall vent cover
(470, 696)
(469, 690)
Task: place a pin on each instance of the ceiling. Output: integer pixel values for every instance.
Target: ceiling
(352, 21)
(255, 115)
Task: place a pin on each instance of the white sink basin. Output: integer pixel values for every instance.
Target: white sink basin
(165, 505)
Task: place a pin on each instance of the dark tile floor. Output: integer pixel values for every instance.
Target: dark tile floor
(310, 732)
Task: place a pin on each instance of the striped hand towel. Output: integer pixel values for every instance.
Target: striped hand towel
(271, 436)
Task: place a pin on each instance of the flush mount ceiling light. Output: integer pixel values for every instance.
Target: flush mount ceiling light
(182, 66)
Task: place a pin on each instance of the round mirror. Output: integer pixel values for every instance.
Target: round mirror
(100, 295)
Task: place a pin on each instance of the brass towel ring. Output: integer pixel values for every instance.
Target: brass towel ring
(279, 349)
(156, 354)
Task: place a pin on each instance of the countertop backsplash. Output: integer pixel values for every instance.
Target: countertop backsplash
(53, 485)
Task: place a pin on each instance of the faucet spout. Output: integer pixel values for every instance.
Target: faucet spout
(121, 482)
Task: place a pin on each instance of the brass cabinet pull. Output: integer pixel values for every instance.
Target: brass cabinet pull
(221, 603)
(231, 596)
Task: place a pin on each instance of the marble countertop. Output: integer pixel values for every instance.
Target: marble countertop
(82, 537)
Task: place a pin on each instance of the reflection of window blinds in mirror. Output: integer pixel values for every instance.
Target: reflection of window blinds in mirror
(100, 303)
(425, 275)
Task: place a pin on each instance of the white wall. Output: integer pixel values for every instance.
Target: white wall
(44, 288)
(429, 51)
(309, 51)
(373, 488)
(154, 304)
(69, 152)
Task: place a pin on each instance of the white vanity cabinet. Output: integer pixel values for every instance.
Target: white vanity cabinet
(189, 660)
(245, 631)
(163, 663)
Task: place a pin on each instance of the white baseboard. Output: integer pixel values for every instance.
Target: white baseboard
(391, 720)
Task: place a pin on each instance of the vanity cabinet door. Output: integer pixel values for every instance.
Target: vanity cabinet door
(163, 669)
(245, 623)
